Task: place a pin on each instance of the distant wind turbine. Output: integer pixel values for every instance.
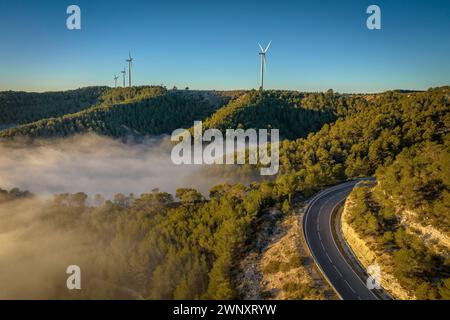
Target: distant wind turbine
(129, 60)
(262, 55)
(115, 81)
(123, 74)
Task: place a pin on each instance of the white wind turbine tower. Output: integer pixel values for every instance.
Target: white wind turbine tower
(115, 80)
(123, 74)
(129, 60)
(262, 56)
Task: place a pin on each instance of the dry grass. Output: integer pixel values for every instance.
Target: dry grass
(285, 271)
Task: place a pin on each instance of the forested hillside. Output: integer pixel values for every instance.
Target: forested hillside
(294, 114)
(419, 181)
(24, 107)
(165, 248)
(403, 138)
(125, 111)
(155, 110)
(357, 144)
(406, 219)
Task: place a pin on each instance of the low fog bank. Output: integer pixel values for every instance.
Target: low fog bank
(40, 239)
(34, 254)
(100, 165)
(119, 251)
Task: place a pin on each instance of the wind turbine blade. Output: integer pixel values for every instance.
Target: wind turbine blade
(262, 50)
(267, 48)
(265, 64)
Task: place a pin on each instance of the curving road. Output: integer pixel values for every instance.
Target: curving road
(318, 233)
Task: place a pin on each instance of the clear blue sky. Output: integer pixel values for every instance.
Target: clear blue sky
(213, 44)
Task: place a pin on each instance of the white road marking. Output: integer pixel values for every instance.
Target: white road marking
(349, 286)
(337, 270)
(328, 257)
(322, 246)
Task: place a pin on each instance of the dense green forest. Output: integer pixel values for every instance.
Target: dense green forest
(155, 110)
(294, 113)
(24, 107)
(291, 112)
(370, 136)
(419, 180)
(128, 111)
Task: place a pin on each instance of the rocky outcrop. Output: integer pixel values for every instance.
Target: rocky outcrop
(287, 270)
(432, 236)
(275, 264)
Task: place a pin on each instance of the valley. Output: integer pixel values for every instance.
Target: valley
(92, 167)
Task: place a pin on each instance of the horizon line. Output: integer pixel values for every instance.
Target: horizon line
(183, 88)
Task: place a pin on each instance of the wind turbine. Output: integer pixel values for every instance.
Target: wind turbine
(262, 56)
(123, 74)
(115, 81)
(129, 60)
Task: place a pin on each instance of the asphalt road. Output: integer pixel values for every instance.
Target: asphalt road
(318, 233)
